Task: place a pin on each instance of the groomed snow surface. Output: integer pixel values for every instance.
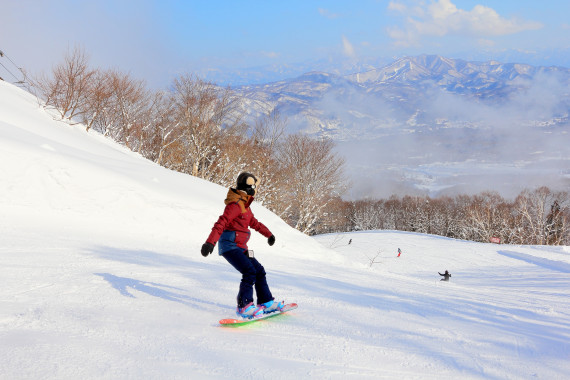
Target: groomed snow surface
(101, 277)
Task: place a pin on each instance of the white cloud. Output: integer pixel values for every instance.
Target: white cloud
(347, 48)
(270, 54)
(328, 14)
(485, 43)
(441, 18)
(396, 6)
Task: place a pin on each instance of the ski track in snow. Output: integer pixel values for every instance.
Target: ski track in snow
(101, 278)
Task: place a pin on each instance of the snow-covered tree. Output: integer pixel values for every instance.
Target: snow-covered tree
(314, 175)
(202, 110)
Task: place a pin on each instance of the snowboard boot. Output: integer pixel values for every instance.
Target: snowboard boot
(249, 311)
(271, 306)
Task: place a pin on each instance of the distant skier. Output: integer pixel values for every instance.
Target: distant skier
(232, 231)
(399, 252)
(350, 241)
(446, 276)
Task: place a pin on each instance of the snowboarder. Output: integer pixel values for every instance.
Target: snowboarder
(232, 232)
(446, 276)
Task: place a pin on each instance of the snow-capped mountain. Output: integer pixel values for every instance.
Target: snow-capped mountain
(428, 110)
(481, 79)
(408, 86)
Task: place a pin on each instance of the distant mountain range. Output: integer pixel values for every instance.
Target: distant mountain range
(430, 124)
(277, 69)
(403, 94)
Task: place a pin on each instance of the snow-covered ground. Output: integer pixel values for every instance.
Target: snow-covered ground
(101, 278)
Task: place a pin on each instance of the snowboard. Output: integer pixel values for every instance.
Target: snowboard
(241, 322)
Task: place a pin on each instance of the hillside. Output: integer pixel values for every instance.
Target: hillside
(101, 278)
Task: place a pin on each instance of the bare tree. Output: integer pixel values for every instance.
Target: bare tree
(366, 215)
(235, 156)
(128, 112)
(97, 101)
(486, 216)
(336, 217)
(558, 221)
(414, 213)
(445, 215)
(69, 85)
(261, 153)
(269, 129)
(315, 176)
(394, 215)
(538, 220)
(373, 260)
(201, 110)
(165, 129)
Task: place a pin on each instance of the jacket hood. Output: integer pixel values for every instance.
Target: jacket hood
(239, 197)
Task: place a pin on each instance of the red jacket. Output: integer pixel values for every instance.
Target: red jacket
(232, 227)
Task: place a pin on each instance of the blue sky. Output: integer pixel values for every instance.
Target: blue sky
(158, 39)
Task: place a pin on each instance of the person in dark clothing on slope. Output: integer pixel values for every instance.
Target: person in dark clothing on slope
(232, 232)
(446, 276)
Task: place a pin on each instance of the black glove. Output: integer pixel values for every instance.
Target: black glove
(271, 240)
(207, 248)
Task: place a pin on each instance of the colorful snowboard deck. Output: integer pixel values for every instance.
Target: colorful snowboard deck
(241, 322)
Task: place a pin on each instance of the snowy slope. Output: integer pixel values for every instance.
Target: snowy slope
(101, 277)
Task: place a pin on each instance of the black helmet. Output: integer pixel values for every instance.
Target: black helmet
(247, 182)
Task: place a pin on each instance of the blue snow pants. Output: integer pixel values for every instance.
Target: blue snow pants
(253, 274)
